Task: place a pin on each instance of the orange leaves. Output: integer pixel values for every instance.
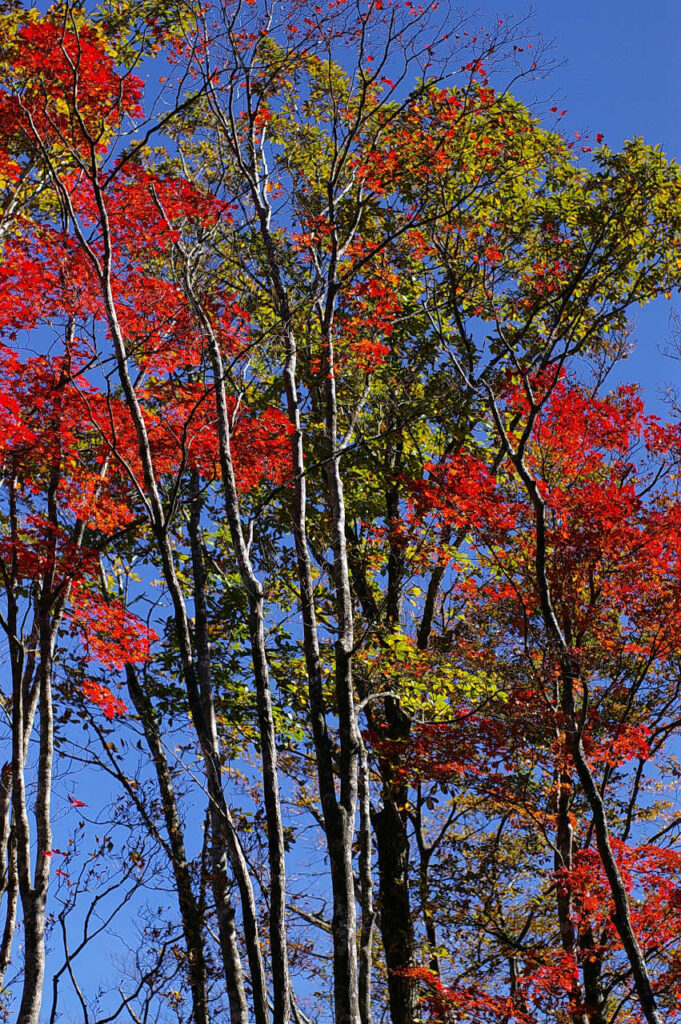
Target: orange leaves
(368, 310)
(621, 744)
(429, 141)
(101, 504)
(547, 276)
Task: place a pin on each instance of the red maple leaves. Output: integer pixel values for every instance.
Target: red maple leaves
(102, 697)
(57, 71)
(110, 633)
(606, 477)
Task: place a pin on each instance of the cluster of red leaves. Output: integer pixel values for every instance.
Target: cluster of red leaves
(652, 876)
(438, 128)
(606, 473)
(612, 543)
(110, 633)
(39, 547)
(617, 743)
(52, 416)
(181, 423)
(45, 409)
(368, 310)
(67, 90)
(102, 697)
(447, 1005)
(469, 747)
(160, 330)
(40, 262)
(461, 492)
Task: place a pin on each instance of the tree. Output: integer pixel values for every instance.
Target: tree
(308, 324)
(606, 477)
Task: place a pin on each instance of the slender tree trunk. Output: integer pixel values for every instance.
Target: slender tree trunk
(390, 823)
(192, 919)
(368, 913)
(11, 904)
(266, 726)
(345, 914)
(33, 890)
(622, 916)
(8, 868)
(425, 853)
(227, 932)
(339, 811)
(338, 814)
(33, 884)
(219, 886)
(592, 967)
(563, 863)
(204, 728)
(392, 843)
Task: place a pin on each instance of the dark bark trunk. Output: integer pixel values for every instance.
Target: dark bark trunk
(8, 868)
(223, 835)
(592, 965)
(392, 844)
(427, 909)
(622, 915)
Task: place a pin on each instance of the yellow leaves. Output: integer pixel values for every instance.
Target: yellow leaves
(429, 684)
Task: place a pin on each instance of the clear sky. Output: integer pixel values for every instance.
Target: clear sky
(620, 75)
(622, 72)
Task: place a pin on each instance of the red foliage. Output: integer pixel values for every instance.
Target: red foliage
(67, 90)
(111, 634)
(102, 697)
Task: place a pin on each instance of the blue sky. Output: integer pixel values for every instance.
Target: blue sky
(620, 75)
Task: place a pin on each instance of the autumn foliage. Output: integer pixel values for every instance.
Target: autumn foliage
(325, 549)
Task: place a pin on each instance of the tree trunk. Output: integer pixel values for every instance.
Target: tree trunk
(192, 919)
(562, 859)
(392, 843)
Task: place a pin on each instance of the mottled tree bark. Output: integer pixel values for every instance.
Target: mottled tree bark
(192, 919)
